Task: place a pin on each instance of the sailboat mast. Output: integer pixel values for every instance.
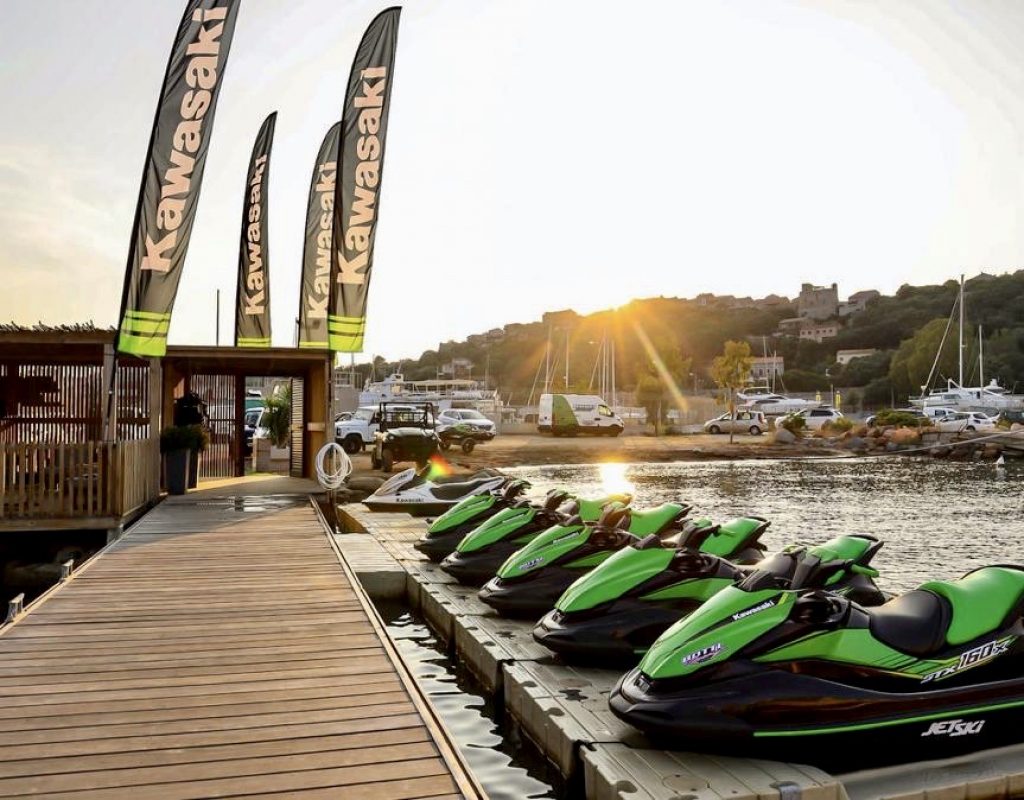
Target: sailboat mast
(981, 358)
(961, 383)
(566, 359)
(615, 400)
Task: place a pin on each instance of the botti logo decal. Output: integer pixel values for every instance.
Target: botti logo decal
(702, 655)
(954, 727)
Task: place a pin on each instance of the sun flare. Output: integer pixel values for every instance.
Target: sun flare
(614, 480)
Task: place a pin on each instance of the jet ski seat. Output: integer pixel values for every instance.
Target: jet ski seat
(940, 614)
(914, 623)
(981, 600)
(455, 491)
(654, 520)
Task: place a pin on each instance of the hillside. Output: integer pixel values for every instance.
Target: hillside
(687, 334)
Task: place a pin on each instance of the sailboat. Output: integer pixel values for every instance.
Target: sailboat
(990, 398)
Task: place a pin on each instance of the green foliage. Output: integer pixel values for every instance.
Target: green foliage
(915, 356)
(794, 423)
(650, 393)
(841, 425)
(861, 371)
(901, 419)
(277, 419)
(799, 380)
(183, 437)
(731, 371)
(878, 392)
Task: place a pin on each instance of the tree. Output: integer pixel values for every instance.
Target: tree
(730, 371)
(650, 393)
(915, 356)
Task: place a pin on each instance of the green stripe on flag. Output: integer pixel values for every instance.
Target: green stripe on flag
(346, 343)
(251, 342)
(152, 346)
(314, 345)
(130, 325)
(154, 315)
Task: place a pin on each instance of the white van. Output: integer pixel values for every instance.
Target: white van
(570, 414)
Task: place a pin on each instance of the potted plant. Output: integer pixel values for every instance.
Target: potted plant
(200, 440)
(176, 446)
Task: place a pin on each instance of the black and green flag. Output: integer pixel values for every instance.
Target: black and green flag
(315, 291)
(173, 174)
(252, 298)
(364, 124)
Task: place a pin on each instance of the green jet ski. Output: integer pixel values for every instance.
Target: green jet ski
(779, 667)
(533, 578)
(613, 613)
(448, 529)
(482, 552)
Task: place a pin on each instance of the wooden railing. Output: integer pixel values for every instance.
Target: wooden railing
(77, 481)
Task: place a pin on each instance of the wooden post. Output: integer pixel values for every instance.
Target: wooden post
(238, 439)
(108, 404)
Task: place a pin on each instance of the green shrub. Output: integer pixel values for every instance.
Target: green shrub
(901, 419)
(794, 423)
(277, 419)
(183, 437)
(841, 425)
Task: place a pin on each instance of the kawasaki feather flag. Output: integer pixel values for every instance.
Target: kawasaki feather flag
(364, 125)
(315, 291)
(252, 301)
(173, 174)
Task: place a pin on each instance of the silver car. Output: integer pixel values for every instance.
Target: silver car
(745, 421)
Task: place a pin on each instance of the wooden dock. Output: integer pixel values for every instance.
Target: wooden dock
(220, 649)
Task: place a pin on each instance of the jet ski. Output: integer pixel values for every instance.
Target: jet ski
(613, 613)
(782, 667)
(533, 578)
(412, 492)
(448, 529)
(482, 552)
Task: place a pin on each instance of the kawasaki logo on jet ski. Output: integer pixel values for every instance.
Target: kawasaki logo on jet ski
(954, 727)
(531, 563)
(702, 655)
(972, 658)
(754, 609)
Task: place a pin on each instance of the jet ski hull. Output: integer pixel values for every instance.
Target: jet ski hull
(766, 712)
(479, 566)
(531, 596)
(438, 546)
(412, 506)
(614, 635)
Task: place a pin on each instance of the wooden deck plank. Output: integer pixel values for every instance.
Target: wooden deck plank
(215, 650)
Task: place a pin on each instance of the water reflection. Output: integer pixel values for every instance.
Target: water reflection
(613, 479)
(506, 770)
(938, 519)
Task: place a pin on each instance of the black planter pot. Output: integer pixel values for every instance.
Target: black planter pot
(176, 471)
(193, 469)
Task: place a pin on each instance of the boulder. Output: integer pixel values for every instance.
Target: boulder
(364, 483)
(905, 436)
(891, 447)
(855, 443)
(782, 436)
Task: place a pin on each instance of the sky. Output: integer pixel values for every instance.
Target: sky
(542, 154)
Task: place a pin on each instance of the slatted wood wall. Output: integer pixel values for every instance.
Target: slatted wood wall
(63, 403)
(218, 392)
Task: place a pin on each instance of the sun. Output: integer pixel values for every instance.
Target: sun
(614, 480)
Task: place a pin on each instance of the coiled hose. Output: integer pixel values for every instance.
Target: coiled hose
(341, 466)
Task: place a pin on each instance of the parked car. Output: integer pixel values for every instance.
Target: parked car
(471, 419)
(252, 427)
(966, 421)
(814, 418)
(404, 433)
(745, 421)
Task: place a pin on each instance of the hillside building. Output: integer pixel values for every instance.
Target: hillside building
(764, 368)
(818, 302)
(844, 357)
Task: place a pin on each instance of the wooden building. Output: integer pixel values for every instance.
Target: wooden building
(73, 457)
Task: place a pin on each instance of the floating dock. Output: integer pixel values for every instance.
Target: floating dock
(220, 648)
(564, 709)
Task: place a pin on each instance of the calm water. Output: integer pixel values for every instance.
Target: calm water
(508, 768)
(938, 519)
